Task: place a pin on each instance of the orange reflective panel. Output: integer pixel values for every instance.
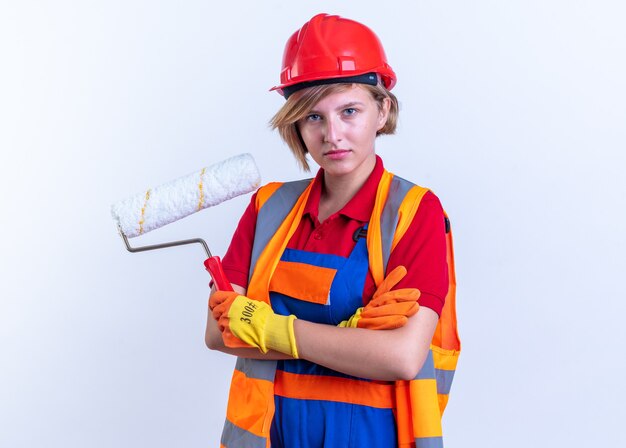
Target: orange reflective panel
(304, 281)
(334, 388)
(250, 403)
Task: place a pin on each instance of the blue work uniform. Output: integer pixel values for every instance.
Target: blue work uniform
(317, 423)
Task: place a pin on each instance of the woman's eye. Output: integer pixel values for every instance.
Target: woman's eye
(350, 111)
(313, 117)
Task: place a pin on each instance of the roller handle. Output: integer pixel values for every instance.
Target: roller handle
(214, 266)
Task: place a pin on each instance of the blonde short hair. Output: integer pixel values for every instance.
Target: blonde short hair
(301, 102)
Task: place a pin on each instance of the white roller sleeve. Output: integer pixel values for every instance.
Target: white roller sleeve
(176, 199)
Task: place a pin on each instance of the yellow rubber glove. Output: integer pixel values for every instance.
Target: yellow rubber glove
(388, 309)
(245, 322)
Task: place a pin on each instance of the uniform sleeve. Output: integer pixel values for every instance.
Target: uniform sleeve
(236, 261)
(422, 250)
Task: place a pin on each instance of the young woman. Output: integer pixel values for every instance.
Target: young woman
(333, 347)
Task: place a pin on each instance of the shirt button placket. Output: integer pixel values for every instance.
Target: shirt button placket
(318, 234)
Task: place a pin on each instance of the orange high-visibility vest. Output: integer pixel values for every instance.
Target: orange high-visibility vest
(419, 402)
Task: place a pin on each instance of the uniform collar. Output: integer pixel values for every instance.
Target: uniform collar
(362, 203)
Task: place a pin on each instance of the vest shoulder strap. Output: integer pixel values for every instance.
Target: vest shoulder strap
(274, 202)
(403, 200)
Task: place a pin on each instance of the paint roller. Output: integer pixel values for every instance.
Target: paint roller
(181, 197)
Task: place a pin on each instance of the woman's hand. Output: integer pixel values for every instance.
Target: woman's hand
(388, 309)
(245, 322)
(219, 305)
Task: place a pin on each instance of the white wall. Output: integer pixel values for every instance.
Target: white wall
(512, 112)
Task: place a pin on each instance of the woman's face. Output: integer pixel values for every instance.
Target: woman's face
(340, 130)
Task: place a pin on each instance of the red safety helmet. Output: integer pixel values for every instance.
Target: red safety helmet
(330, 47)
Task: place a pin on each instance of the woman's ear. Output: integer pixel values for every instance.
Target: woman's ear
(383, 113)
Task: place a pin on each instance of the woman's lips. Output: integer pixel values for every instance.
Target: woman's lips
(337, 154)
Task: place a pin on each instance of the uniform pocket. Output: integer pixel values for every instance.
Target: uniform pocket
(303, 281)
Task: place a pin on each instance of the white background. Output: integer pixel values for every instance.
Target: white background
(512, 112)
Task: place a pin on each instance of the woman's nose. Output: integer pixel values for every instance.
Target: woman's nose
(332, 131)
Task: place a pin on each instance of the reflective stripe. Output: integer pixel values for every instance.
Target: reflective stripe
(444, 377)
(408, 210)
(272, 214)
(263, 194)
(444, 380)
(389, 216)
(427, 371)
(257, 368)
(429, 442)
(236, 437)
